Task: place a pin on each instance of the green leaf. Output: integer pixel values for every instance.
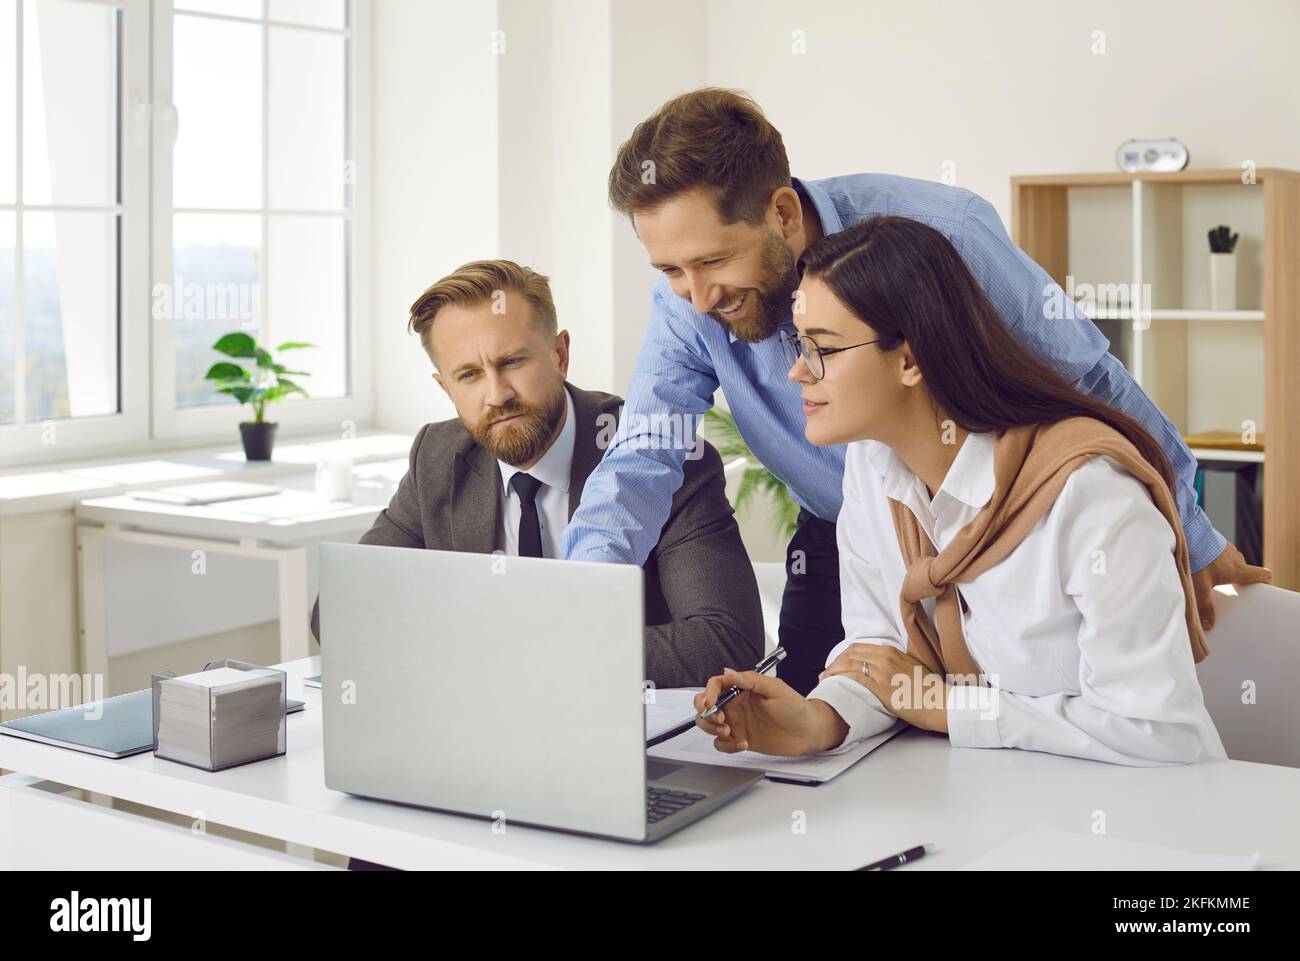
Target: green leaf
(236, 344)
(264, 359)
(786, 518)
(291, 387)
(275, 393)
(225, 370)
(719, 428)
(294, 345)
(241, 394)
(281, 369)
(748, 484)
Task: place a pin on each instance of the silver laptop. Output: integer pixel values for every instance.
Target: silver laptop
(509, 688)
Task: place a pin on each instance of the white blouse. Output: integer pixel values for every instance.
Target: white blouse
(1081, 631)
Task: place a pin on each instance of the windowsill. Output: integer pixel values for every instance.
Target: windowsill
(59, 486)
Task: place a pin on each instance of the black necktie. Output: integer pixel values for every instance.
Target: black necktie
(530, 530)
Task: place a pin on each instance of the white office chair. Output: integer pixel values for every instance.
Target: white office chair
(1255, 644)
(771, 585)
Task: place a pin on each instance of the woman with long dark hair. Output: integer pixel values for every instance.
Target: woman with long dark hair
(1013, 568)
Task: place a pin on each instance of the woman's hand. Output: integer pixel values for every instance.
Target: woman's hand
(900, 681)
(770, 717)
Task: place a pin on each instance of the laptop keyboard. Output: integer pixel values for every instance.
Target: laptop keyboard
(661, 802)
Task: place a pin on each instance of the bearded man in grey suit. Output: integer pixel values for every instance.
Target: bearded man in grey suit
(507, 474)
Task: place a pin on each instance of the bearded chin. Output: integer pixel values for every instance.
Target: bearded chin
(767, 318)
(518, 443)
(773, 304)
(770, 309)
(526, 440)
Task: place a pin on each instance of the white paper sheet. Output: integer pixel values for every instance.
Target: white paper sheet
(697, 747)
(667, 708)
(219, 676)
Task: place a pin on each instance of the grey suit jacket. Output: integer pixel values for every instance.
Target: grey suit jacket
(701, 600)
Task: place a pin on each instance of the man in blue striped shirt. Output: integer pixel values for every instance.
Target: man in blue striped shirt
(707, 186)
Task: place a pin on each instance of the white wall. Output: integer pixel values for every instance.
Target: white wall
(485, 150)
(1003, 87)
(580, 259)
(435, 179)
(657, 59)
(576, 76)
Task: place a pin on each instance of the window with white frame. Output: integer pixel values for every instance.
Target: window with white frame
(141, 220)
(59, 210)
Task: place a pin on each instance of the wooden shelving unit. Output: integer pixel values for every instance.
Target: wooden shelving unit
(1207, 369)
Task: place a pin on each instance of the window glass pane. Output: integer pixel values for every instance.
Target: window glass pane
(69, 124)
(218, 95)
(231, 8)
(307, 299)
(8, 322)
(217, 263)
(307, 99)
(317, 13)
(70, 313)
(8, 100)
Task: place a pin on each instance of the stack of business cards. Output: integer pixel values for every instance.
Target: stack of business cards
(219, 718)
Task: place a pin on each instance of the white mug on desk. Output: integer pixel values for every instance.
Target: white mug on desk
(334, 478)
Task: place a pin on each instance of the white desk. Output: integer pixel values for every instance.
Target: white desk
(915, 788)
(278, 528)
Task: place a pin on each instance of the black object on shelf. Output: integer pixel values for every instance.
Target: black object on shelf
(1222, 240)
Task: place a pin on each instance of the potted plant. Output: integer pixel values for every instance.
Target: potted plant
(264, 384)
(720, 429)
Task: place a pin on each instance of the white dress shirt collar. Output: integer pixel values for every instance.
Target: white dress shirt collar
(556, 464)
(969, 481)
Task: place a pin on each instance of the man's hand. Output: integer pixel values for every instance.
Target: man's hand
(900, 682)
(769, 716)
(1228, 568)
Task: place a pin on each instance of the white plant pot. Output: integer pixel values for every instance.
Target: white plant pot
(1223, 281)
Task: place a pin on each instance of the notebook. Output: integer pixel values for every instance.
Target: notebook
(124, 728)
(208, 492)
(677, 704)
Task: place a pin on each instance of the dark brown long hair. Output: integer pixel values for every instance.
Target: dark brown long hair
(908, 282)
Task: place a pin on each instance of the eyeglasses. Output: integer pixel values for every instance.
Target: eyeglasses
(814, 356)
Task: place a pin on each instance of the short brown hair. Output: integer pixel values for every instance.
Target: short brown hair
(712, 138)
(475, 282)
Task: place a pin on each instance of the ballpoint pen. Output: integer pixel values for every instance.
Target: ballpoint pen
(903, 857)
(773, 659)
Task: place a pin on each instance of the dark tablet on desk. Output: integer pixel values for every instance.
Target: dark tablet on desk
(124, 728)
